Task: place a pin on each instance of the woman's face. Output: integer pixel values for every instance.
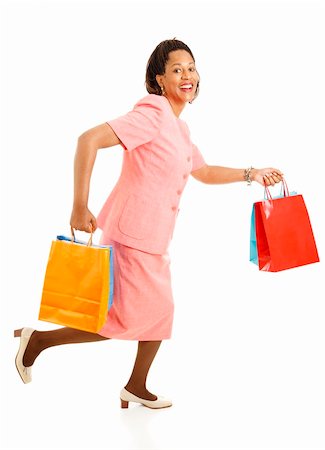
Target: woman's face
(180, 71)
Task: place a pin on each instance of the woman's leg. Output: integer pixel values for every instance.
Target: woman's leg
(137, 383)
(40, 340)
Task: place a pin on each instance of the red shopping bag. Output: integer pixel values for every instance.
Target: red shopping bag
(284, 236)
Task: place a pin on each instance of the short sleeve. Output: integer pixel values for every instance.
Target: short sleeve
(197, 158)
(141, 125)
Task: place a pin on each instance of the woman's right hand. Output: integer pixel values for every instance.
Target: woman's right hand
(82, 219)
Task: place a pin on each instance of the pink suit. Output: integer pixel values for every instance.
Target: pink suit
(138, 217)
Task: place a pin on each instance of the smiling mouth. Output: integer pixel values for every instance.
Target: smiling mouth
(187, 87)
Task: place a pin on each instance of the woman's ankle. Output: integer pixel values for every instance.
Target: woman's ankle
(32, 350)
(140, 391)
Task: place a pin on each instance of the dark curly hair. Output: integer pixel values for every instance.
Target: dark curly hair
(157, 63)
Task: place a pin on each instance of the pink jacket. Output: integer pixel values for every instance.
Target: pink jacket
(141, 210)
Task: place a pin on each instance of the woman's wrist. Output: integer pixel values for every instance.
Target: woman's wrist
(79, 206)
(253, 174)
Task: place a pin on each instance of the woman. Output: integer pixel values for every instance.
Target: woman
(139, 216)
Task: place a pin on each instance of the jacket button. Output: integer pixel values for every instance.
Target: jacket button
(174, 208)
(185, 175)
(179, 192)
(188, 158)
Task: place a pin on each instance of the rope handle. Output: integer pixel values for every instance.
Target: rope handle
(73, 238)
(284, 190)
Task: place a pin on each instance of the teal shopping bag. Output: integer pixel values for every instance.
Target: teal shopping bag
(253, 257)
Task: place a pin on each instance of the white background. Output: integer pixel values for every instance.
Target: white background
(245, 365)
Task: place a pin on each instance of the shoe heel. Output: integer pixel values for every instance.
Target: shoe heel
(124, 404)
(17, 333)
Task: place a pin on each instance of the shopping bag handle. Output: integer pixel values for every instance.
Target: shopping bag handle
(284, 190)
(73, 238)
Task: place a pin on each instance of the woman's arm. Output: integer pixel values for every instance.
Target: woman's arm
(220, 175)
(101, 136)
(89, 143)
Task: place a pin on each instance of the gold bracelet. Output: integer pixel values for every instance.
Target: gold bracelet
(247, 175)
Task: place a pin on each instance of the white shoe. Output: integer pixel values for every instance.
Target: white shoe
(126, 397)
(24, 372)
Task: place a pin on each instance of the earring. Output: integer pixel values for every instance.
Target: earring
(162, 90)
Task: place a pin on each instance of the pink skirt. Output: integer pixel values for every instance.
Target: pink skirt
(143, 305)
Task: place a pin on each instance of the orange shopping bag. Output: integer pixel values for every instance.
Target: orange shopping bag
(78, 285)
(281, 233)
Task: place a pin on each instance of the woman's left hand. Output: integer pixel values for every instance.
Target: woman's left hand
(268, 177)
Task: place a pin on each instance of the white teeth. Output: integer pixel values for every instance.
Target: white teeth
(187, 86)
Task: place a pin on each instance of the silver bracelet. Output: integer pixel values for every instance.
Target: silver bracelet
(247, 175)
